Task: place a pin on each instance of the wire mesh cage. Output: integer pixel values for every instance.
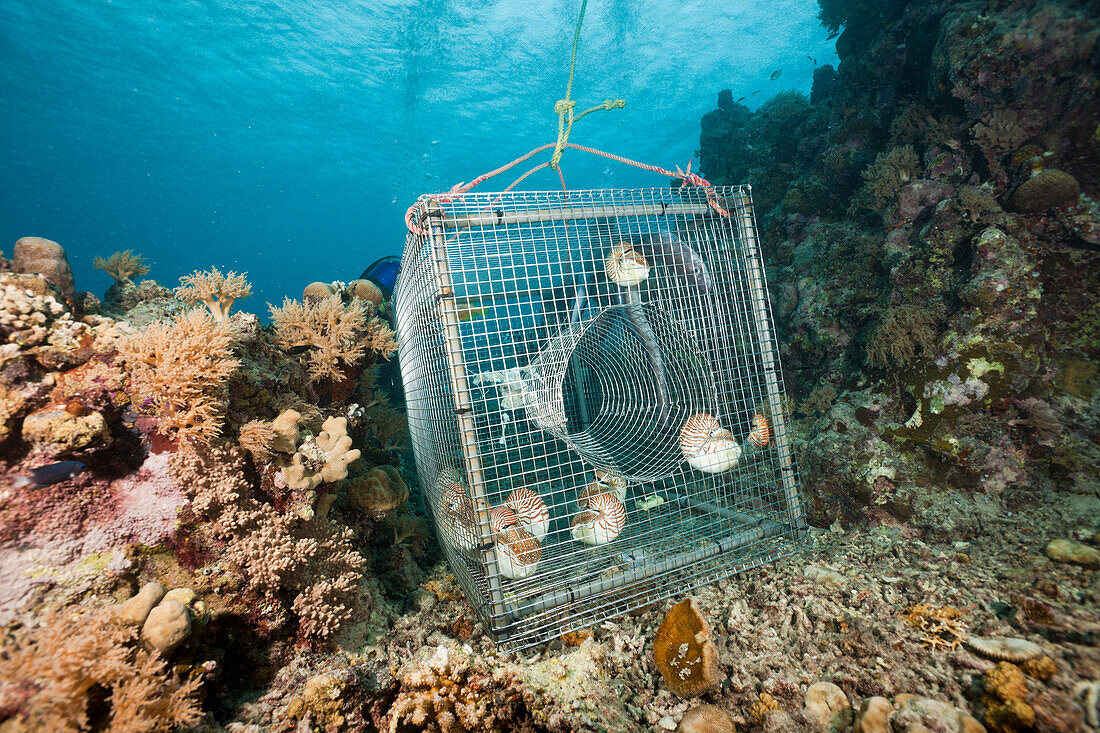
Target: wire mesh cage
(594, 398)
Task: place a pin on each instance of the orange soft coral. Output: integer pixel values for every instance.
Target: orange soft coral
(215, 290)
(179, 371)
(122, 265)
(54, 677)
(338, 335)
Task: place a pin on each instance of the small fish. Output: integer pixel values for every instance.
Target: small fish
(775, 74)
(741, 99)
(811, 58)
(51, 473)
(470, 310)
(755, 93)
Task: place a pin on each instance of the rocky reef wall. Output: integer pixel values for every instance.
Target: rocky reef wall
(932, 236)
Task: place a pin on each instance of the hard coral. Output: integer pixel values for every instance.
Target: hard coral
(46, 258)
(323, 459)
(282, 557)
(443, 691)
(179, 372)
(943, 628)
(378, 492)
(214, 289)
(337, 335)
(122, 266)
(1005, 707)
(684, 652)
(74, 666)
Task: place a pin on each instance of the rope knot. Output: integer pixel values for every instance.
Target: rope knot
(563, 106)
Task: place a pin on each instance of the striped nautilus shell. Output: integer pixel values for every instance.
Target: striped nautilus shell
(608, 481)
(601, 522)
(517, 553)
(761, 433)
(500, 518)
(531, 512)
(458, 520)
(707, 446)
(625, 266)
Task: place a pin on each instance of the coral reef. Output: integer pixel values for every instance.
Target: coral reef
(85, 670)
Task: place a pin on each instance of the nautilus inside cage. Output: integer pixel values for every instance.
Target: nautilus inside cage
(594, 398)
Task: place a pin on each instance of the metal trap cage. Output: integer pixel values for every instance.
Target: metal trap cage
(594, 398)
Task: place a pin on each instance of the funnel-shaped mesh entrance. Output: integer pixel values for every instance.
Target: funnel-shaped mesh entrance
(618, 387)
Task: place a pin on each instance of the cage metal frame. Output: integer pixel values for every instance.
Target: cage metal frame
(446, 278)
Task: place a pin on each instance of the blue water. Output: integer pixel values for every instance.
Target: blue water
(285, 139)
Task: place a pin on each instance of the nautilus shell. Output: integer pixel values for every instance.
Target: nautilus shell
(707, 446)
(517, 553)
(608, 481)
(601, 522)
(458, 520)
(531, 512)
(761, 433)
(500, 518)
(625, 266)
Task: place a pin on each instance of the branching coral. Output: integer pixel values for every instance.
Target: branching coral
(56, 676)
(122, 266)
(942, 628)
(215, 290)
(446, 692)
(902, 332)
(309, 564)
(337, 335)
(179, 371)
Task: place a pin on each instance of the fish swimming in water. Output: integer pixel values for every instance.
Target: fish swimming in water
(775, 74)
(470, 310)
(51, 473)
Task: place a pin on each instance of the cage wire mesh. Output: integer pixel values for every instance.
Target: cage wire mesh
(594, 398)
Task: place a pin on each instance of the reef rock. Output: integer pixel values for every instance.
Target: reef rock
(46, 258)
(1073, 552)
(827, 707)
(56, 429)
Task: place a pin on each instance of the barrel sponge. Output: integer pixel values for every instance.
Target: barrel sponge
(43, 257)
(1046, 189)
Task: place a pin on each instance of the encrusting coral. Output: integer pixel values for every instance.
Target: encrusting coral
(122, 266)
(179, 372)
(214, 289)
